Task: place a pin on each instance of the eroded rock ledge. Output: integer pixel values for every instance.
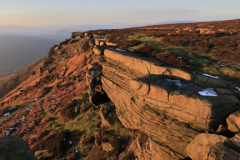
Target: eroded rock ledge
(171, 105)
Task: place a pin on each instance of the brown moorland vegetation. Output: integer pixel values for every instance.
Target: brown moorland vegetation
(48, 105)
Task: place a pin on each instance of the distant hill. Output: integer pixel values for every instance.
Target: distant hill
(18, 51)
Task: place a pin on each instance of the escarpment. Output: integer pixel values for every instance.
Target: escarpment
(172, 106)
(87, 85)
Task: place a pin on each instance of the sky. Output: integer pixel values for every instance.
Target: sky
(78, 12)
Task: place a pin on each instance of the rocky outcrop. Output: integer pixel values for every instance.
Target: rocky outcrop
(199, 148)
(42, 155)
(220, 151)
(134, 113)
(98, 50)
(152, 150)
(15, 148)
(93, 79)
(233, 121)
(214, 147)
(107, 147)
(234, 142)
(172, 106)
(104, 110)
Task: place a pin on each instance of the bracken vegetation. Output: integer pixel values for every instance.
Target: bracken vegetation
(9, 83)
(50, 105)
(56, 144)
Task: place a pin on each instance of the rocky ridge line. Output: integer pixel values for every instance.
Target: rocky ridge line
(172, 106)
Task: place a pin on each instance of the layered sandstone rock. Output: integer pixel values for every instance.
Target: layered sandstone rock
(198, 149)
(233, 121)
(170, 105)
(214, 147)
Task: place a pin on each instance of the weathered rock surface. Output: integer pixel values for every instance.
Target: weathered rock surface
(181, 99)
(104, 110)
(98, 50)
(93, 79)
(42, 155)
(198, 149)
(234, 142)
(107, 147)
(170, 105)
(64, 42)
(135, 114)
(233, 121)
(108, 43)
(15, 148)
(220, 151)
(152, 150)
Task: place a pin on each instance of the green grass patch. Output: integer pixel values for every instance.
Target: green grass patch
(144, 39)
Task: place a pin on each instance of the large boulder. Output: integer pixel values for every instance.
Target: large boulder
(204, 107)
(104, 110)
(93, 76)
(99, 50)
(64, 42)
(233, 121)
(43, 155)
(107, 147)
(198, 149)
(234, 142)
(15, 148)
(151, 150)
(135, 113)
(108, 43)
(220, 151)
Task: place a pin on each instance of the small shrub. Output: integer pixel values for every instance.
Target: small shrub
(77, 135)
(146, 51)
(33, 73)
(172, 59)
(67, 111)
(113, 118)
(87, 140)
(98, 125)
(97, 153)
(124, 44)
(56, 144)
(71, 154)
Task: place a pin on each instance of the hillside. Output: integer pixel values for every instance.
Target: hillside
(155, 92)
(19, 51)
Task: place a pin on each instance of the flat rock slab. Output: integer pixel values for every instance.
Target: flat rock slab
(204, 107)
(15, 148)
(107, 147)
(147, 66)
(143, 64)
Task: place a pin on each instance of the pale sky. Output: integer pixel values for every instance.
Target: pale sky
(77, 12)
